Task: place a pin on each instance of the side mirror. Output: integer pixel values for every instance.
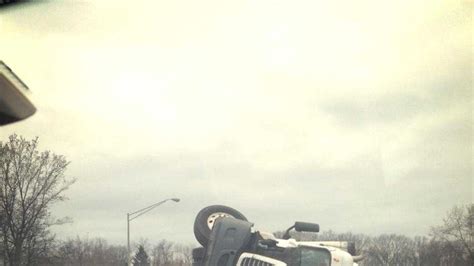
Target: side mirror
(302, 227)
(306, 227)
(14, 105)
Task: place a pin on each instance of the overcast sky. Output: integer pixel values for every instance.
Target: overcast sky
(353, 114)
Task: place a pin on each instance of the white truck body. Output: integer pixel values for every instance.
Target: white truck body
(337, 249)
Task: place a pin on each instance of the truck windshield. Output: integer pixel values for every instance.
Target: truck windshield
(301, 256)
(314, 257)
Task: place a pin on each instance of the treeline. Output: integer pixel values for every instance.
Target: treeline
(97, 252)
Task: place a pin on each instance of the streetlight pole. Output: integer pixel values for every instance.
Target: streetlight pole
(136, 214)
(128, 239)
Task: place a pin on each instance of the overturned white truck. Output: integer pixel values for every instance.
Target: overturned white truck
(228, 239)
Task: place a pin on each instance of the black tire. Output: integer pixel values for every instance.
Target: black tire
(206, 217)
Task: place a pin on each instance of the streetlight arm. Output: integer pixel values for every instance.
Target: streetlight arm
(145, 210)
(151, 206)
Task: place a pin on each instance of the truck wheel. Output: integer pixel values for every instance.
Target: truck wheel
(206, 218)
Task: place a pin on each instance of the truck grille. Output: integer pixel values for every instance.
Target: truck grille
(251, 259)
(255, 262)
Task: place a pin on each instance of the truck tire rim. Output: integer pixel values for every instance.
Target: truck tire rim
(213, 217)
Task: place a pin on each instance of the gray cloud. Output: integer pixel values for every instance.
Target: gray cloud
(216, 105)
(433, 94)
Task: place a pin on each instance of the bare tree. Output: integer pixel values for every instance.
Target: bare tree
(162, 253)
(30, 181)
(457, 233)
(183, 254)
(391, 250)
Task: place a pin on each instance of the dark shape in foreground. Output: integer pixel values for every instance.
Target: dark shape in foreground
(14, 104)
